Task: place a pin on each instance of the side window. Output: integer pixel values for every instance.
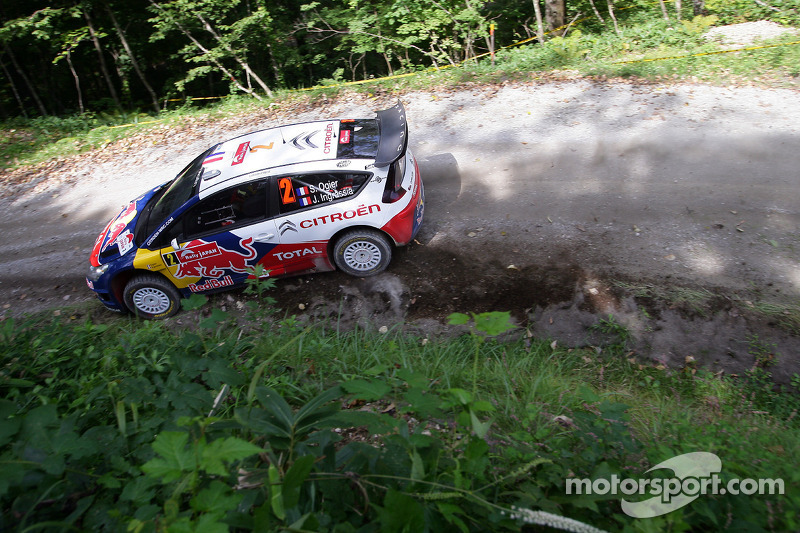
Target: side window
(235, 207)
(312, 190)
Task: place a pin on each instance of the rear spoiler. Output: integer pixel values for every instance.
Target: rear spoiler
(393, 135)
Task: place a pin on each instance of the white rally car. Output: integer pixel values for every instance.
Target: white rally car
(296, 199)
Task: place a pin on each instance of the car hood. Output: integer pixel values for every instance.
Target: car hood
(117, 238)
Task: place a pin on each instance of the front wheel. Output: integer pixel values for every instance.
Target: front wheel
(362, 253)
(152, 297)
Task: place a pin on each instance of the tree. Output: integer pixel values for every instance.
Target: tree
(555, 13)
(95, 38)
(179, 15)
(435, 31)
(537, 10)
(134, 62)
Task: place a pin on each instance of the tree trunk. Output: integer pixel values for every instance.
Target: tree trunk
(126, 46)
(275, 69)
(68, 57)
(664, 9)
(613, 18)
(555, 12)
(596, 12)
(39, 104)
(699, 7)
(93, 35)
(14, 89)
(537, 10)
(679, 8)
(388, 63)
(235, 56)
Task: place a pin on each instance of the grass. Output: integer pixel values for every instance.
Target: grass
(568, 410)
(699, 301)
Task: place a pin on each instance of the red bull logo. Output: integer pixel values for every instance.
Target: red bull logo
(201, 258)
(211, 284)
(119, 224)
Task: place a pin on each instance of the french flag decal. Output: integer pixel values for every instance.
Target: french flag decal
(303, 191)
(213, 157)
(305, 201)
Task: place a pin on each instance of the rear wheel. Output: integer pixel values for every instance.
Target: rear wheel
(362, 253)
(152, 297)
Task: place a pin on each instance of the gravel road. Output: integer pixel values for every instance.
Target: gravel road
(674, 208)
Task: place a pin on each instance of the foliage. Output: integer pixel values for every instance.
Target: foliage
(150, 52)
(737, 11)
(271, 425)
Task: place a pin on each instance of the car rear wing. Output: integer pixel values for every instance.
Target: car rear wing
(393, 135)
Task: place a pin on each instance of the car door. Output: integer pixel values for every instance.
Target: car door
(308, 205)
(221, 238)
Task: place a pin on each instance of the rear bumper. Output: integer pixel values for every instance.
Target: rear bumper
(403, 227)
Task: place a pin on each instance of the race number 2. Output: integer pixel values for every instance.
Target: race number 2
(287, 192)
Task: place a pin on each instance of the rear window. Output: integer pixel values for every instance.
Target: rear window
(358, 139)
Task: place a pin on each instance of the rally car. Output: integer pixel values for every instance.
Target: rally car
(296, 199)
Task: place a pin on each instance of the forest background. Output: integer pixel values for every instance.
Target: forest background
(65, 57)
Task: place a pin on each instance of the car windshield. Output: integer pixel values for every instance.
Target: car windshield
(178, 193)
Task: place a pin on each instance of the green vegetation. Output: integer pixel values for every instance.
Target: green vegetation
(264, 424)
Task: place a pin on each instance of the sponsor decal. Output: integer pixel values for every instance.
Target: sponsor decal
(328, 138)
(119, 224)
(342, 164)
(293, 254)
(287, 225)
(238, 157)
(261, 147)
(211, 284)
(305, 138)
(213, 158)
(159, 230)
(201, 258)
(124, 242)
(362, 211)
(344, 137)
(287, 192)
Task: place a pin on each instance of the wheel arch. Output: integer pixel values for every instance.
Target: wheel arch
(338, 235)
(119, 282)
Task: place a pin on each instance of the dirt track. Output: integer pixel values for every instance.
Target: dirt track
(674, 208)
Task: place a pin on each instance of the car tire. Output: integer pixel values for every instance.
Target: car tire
(362, 253)
(152, 297)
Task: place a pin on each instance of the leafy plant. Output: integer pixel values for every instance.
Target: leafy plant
(143, 427)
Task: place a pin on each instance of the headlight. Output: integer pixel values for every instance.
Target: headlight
(96, 271)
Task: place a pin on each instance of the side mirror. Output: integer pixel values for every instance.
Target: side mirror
(174, 244)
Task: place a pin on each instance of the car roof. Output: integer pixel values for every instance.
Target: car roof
(271, 148)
